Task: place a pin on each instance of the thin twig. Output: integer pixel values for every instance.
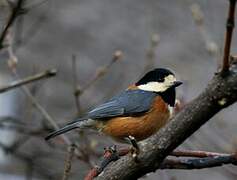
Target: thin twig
(37, 5)
(101, 71)
(150, 54)
(75, 82)
(16, 11)
(198, 163)
(198, 18)
(200, 154)
(31, 31)
(228, 37)
(19, 29)
(30, 79)
(68, 162)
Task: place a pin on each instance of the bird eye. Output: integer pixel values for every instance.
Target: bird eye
(160, 80)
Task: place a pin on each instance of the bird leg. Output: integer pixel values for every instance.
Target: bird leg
(135, 150)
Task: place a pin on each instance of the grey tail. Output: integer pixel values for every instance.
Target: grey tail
(73, 125)
(62, 130)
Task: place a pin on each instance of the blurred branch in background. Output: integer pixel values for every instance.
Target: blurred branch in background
(151, 52)
(17, 10)
(100, 72)
(40, 108)
(30, 79)
(68, 162)
(198, 18)
(22, 39)
(200, 154)
(76, 87)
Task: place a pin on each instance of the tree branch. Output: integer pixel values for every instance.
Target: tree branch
(205, 160)
(16, 11)
(228, 37)
(75, 82)
(198, 163)
(220, 93)
(200, 154)
(30, 79)
(68, 162)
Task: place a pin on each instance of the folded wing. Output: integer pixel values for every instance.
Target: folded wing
(130, 102)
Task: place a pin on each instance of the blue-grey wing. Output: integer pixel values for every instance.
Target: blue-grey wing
(130, 102)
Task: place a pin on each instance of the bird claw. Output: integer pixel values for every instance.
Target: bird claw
(134, 150)
(112, 149)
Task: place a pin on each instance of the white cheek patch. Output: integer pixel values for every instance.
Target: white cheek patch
(158, 86)
(153, 86)
(170, 79)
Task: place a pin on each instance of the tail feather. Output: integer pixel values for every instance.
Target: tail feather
(62, 130)
(79, 123)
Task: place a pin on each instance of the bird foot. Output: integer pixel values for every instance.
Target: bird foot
(134, 150)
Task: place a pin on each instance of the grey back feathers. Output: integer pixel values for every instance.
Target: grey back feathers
(130, 102)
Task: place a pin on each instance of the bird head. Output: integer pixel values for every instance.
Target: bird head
(158, 80)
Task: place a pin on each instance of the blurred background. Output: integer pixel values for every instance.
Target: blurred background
(80, 38)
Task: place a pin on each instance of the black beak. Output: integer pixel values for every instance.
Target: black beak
(177, 83)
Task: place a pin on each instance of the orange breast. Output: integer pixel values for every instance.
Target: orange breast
(140, 127)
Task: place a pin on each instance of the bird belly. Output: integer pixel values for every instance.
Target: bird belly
(140, 127)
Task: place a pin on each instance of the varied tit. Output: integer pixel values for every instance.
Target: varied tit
(138, 112)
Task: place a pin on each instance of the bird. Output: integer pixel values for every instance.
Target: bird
(134, 114)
